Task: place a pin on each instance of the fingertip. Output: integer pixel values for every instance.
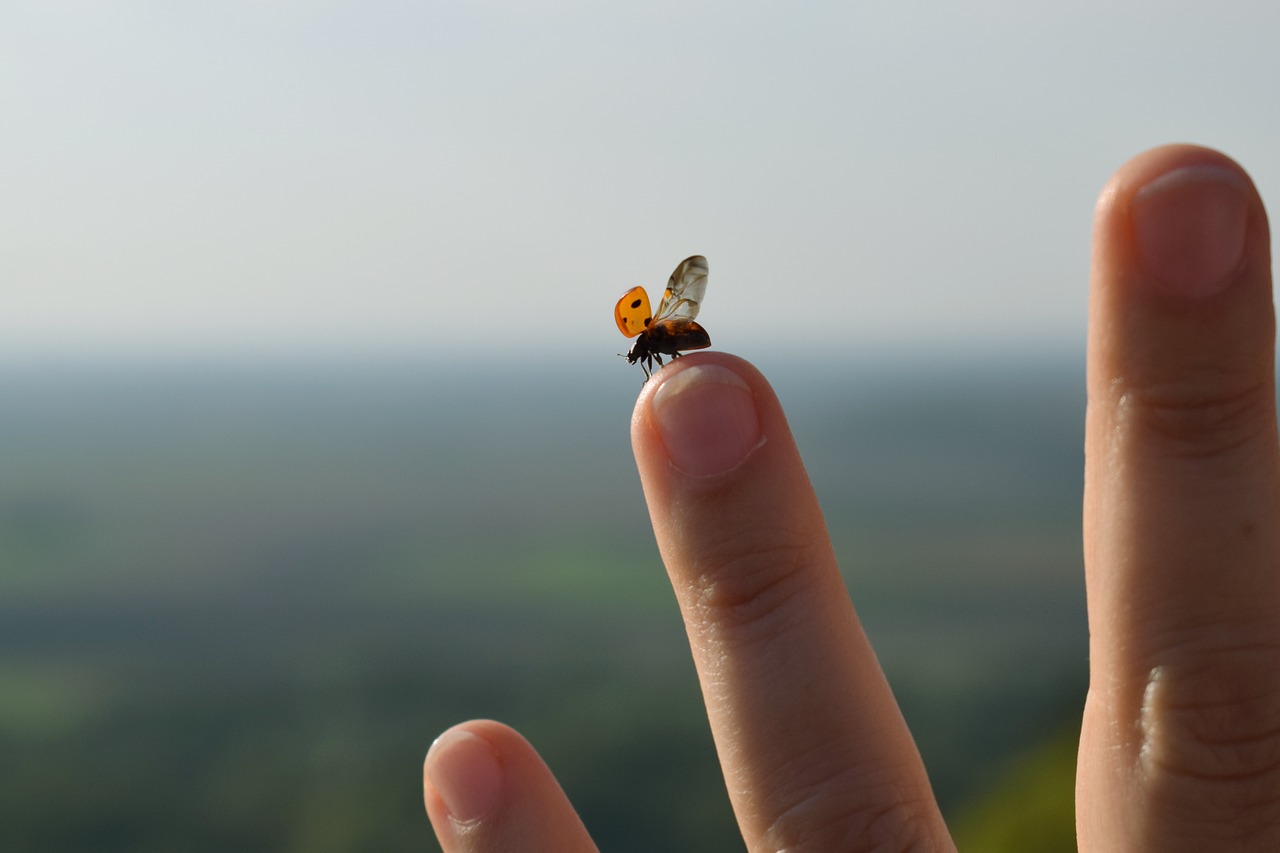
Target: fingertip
(486, 789)
(1181, 221)
(1181, 297)
(703, 416)
(464, 770)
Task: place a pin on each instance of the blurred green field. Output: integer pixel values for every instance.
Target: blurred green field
(238, 602)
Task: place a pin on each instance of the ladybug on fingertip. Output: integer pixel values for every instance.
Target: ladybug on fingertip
(672, 329)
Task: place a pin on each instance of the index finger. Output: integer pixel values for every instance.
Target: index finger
(814, 750)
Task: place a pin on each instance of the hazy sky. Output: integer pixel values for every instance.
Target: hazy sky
(279, 177)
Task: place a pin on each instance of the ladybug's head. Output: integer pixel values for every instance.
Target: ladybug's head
(639, 351)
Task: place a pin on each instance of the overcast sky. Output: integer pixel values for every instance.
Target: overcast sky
(353, 177)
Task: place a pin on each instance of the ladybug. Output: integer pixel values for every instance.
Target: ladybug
(672, 329)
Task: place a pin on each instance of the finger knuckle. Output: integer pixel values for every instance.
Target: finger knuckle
(828, 815)
(739, 586)
(1212, 736)
(1203, 413)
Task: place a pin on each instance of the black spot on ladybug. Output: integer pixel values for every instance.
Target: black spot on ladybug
(635, 304)
(647, 321)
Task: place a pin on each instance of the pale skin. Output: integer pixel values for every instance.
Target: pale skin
(1180, 749)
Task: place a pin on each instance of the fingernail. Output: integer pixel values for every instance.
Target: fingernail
(708, 421)
(464, 770)
(1190, 228)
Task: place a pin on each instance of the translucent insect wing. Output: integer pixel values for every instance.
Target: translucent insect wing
(633, 312)
(683, 296)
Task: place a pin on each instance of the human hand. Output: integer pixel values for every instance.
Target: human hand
(1180, 747)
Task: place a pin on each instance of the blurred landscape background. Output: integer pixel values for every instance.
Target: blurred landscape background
(238, 603)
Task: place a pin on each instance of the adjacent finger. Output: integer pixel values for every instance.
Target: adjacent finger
(1181, 742)
(487, 791)
(815, 753)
